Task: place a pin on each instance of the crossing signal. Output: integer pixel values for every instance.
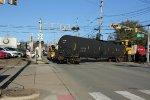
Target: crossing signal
(13, 2)
(75, 29)
(1, 1)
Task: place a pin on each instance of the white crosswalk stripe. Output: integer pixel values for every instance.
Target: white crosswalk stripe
(125, 94)
(99, 96)
(145, 91)
(129, 95)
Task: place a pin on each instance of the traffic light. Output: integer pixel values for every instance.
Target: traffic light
(75, 29)
(13, 2)
(1, 1)
(116, 26)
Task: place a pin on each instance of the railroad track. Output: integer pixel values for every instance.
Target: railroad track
(11, 70)
(10, 62)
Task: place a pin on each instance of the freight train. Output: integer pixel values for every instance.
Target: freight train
(72, 48)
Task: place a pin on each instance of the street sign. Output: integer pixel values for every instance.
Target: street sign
(140, 35)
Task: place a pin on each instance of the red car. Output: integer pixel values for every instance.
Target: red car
(3, 55)
(140, 56)
(141, 50)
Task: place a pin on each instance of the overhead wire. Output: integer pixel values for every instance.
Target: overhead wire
(145, 21)
(132, 13)
(93, 2)
(144, 1)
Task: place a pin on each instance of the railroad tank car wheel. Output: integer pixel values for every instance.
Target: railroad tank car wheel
(48, 58)
(109, 60)
(59, 62)
(67, 61)
(118, 59)
(73, 62)
(122, 59)
(77, 62)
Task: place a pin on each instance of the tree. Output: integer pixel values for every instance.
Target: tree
(111, 37)
(128, 32)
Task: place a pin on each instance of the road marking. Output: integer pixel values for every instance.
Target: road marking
(65, 97)
(129, 95)
(99, 96)
(145, 91)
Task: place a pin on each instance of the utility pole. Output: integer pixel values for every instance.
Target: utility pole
(40, 39)
(148, 43)
(31, 44)
(101, 19)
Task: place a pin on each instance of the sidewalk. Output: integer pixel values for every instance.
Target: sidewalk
(42, 78)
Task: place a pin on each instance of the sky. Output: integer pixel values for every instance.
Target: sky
(23, 20)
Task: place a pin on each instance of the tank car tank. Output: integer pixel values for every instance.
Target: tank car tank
(72, 48)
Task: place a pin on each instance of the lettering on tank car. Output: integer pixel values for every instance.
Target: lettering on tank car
(64, 41)
(116, 49)
(82, 49)
(75, 46)
(88, 47)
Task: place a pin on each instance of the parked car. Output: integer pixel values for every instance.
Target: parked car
(20, 52)
(11, 52)
(4, 55)
(30, 54)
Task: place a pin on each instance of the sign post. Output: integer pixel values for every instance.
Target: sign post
(148, 44)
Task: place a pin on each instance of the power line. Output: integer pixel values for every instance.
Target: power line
(145, 21)
(29, 27)
(93, 2)
(144, 1)
(132, 13)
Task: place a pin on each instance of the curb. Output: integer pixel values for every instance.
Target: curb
(30, 97)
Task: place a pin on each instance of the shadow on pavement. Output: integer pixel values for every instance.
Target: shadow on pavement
(129, 65)
(3, 77)
(13, 77)
(92, 60)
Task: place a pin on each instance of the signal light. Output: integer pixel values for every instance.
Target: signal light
(75, 29)
(116, 26)
(1, 1)
(13, 2)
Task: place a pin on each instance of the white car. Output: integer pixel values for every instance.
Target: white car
(12, 53)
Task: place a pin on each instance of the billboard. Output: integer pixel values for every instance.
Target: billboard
(8, 42)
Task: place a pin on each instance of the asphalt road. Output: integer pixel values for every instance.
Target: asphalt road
(105, 80)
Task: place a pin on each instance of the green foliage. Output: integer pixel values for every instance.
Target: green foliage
(128, 32)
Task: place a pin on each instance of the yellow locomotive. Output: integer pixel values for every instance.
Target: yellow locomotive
(52, 52)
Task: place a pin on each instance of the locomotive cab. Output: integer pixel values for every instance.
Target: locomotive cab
(52, 52)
